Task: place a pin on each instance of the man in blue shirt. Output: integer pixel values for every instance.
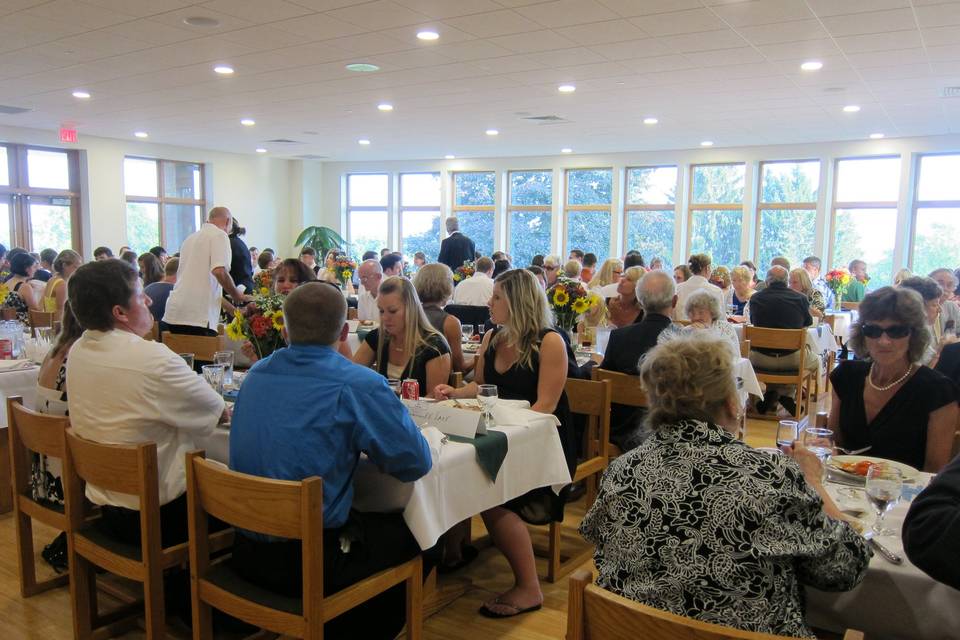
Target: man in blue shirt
(308, 411)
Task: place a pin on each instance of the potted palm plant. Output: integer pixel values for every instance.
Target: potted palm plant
(321, 239)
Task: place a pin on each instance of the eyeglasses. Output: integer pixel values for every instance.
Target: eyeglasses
(896, 332)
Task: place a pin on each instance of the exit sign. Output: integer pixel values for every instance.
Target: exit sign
(68, 135)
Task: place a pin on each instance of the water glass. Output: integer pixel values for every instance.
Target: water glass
(213, 374)
(819, 441)
(226, 359)
(487, 397)
(786, 434)
(45, 335)
(884, 488)
(467, 331)
(394, 386)
(188, 358)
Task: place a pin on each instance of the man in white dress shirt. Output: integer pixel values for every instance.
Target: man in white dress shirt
(699, 264)
(122, 389)
(477, 289)
(204, 274)
(371, 273)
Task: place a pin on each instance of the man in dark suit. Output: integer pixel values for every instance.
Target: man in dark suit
(656, 293)
(457, 248)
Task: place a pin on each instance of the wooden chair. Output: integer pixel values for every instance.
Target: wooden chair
(352, 313)
(40, 320)
(154, 334)
(32, 432)
(745, 349)
(594, 613)
(624, 389)
(786, 339)
(132, 470)
(456, 379)
(591, 399)
(202, 347)
(289, 510)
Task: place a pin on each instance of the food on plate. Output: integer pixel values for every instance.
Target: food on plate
(861, 468)
(366, 323)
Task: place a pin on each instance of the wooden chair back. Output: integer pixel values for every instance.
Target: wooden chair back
(787, 340)
(764, 338)
(625, 389)
(745, 348)
(127, 469)
(594, 613)
(456, 379)
(31, 432)
(279, 508)
(202, 347)
(41, 319)
(154, 334)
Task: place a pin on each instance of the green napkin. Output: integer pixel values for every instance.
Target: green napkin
(491, 450)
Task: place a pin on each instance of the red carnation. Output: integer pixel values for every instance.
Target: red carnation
(260, 326)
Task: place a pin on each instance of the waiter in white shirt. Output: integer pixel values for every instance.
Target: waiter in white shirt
(371, 273)
(477, 289)
(700, 265)
(204, 274)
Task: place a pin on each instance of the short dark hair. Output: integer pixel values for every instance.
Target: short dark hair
(103, 251)
(264, 259)
(589, 259)
(314, 313)
(158, 251)
(48, 256)
(252, 249)
(535, 270)
(390, 261)
(926, 287)
(632, 260)
(497, 255)
(537, 260)
(20, 263)
(813, 261)
(499, 267)
(170, 269)
(129, 256)
(698, 262)
(897, 304)
(97, 287)
(308, 251)
(297, 269)
(484, 264)
(577, 252)
(369, 255)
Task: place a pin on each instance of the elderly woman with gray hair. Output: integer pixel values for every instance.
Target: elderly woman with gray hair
(932, 294)
(887, 400)
(949, 310)
(705, 316)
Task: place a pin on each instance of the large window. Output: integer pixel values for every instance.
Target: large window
(420, 215)
(530, 212)
(39, 198)
(936, 226)
(589, 195)
(865, 214)
(787, 211)
(165, 202)
(650, 212)
(474, 196)
(716, 211)
(368, 201)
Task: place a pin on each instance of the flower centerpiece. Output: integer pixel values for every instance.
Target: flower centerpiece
(838, 280)
(463, 272)
(262, 282)
(262, 325)
(343, 268)
(569, 300)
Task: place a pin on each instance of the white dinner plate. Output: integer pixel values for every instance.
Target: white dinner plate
(909, 473)
(470, 347)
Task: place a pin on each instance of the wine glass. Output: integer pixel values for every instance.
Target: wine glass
(213, 374)
(226, 359)
(786, 434)
(467, 330)
(884, 487)
(188, 358)
(487, 397)
(819, 441)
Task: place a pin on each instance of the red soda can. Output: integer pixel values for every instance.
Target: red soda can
(6, 349)
(410, 389)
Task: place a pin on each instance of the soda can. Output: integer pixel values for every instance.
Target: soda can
(6, 349)
(410, 389)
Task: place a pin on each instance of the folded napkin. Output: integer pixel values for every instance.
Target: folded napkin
(491, 451)
(516, 413)
(435, 439)
(16, 365)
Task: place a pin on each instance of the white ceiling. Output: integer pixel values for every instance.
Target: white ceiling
(723, 70)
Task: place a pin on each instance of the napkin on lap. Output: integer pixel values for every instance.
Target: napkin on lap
(515, 413)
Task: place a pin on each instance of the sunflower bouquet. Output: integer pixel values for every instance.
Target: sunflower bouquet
(262, 282)
(838, 280)
(463, 272)
(343, 268)
(261, 327)
(569, 300)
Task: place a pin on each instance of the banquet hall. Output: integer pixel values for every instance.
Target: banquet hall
(598, 164)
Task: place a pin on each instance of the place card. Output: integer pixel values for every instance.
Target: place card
(449, 420)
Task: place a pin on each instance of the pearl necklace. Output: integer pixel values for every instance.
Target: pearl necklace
(892, 384)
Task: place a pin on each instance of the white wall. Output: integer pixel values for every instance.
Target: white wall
(264, 193)
(907, 148)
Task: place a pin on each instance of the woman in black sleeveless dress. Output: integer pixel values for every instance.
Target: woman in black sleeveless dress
(527, 360)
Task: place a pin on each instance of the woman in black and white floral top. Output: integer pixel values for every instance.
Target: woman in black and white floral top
(699, 524)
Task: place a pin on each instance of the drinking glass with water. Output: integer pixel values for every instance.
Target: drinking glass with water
(487, 397)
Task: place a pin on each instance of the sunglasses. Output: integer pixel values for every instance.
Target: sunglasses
(895, 332)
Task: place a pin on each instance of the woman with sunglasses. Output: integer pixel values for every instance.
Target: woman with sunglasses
(901, 409)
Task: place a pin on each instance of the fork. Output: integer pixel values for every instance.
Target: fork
(855, 452)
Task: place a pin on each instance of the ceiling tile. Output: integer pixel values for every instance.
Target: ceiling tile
(493, 23)
(938, 15)
(602, 32)
(754, 12)
(565, 13)
(938, 36)
(440, 9)
(472, 50)
(535, 41)
(742, 55)
(870, 22)
(689, 21)
(176, 19)
(705, 41)
(793, 31)
(383, 14)
(264, 38)
(888, 58)
(834, 8)
(568, 57)
(509, 64)
(448, 35)
(800, 51)
(88, 16)
(257, 11)
(368, 44)
(318, 27)
(879, 41)
(150, 32)
(635, 49)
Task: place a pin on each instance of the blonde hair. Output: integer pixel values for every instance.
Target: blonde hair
(416, 328)
(690, 377)
(903, 274)
(572, 269)
(722, 274)
(740, 273)
(605, 275)
(434, 283)
(805, 284)
(529, 314)
(633, 274)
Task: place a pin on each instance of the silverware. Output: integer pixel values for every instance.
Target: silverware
(855, 452)
(885, 552)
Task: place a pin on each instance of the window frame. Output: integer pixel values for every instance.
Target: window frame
(789, 206)
(628, 207)
(510, 208)
(918, 204)
(716, 206)
(21, 227)
(567, 207)
(388, 207)
(401, 209)
(161, 200)
(456, 210)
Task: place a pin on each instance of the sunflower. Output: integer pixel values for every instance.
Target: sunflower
(264, 291)
(560, 297)
(581, 304)
(235, 330)
(278, 320)
(346, 274)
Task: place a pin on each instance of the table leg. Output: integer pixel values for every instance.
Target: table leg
(6, 483)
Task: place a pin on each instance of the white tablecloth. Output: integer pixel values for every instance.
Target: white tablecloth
(456, 487)
(743, 369)
(22, 382)
(894, 602)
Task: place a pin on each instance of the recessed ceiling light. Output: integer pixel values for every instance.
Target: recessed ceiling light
(201, 21)
(362, 67)
(566, 88)
(83, 95)
(812, 65)
(851, 108)
(706, 143)
(363, 141)
(248, 122)
(385, 106)
(261, 150)
(492, 132)
(222, 69)
(876, 136)
(141, 134)
(427, 34)
(566, 150)
(650, 121)
(449, 157)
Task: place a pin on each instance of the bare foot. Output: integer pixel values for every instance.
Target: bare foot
(515, 600)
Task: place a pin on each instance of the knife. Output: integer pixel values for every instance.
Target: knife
(886, 553)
